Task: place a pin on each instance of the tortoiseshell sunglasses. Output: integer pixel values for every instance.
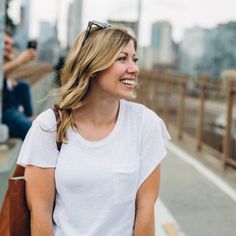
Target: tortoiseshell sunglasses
(90, 26)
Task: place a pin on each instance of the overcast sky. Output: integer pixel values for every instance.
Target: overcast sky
(181, 13)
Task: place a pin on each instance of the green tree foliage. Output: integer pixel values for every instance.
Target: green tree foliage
(9, 23)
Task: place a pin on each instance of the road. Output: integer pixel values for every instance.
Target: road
(196, 201)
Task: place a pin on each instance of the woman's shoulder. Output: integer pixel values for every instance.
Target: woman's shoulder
(141, 112)
(146, 119)
(46, 119)
(133, 107)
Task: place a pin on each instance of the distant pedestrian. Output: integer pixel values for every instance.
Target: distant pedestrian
(16, 99)
(105, 179)
(58, 67)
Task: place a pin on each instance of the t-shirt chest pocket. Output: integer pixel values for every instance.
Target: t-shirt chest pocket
(125, 182)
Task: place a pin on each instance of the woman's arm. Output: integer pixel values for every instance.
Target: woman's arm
(145, 201)
(40, 193)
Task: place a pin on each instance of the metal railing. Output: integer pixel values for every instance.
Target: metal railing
(204, 115)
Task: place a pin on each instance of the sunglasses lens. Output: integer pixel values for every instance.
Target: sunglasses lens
(93, 24)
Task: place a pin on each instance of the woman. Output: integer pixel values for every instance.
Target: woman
(106, 177)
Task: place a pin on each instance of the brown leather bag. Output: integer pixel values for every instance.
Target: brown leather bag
(15, 215)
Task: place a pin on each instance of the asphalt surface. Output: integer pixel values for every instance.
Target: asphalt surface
(198, 205)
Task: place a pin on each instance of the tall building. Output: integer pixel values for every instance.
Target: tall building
(49, 47)
(193, 50)
(22, 31)
(225, 47)
(208, 51)
(47, 31)
(74, 21)
(133, 25)
(145, 57)
(162, 43)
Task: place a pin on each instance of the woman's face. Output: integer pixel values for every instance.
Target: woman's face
(120, 79)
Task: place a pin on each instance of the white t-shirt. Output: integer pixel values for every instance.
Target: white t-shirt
(97, 182)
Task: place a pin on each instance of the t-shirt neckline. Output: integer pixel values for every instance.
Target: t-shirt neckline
(109, 137)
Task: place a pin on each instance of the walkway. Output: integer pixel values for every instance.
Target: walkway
(196, 202)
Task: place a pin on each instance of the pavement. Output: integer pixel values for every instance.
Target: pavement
(194, 201)
(8, 157)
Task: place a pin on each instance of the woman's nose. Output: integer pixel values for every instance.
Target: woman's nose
(133, 68)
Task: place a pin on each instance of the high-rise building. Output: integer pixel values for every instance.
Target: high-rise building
(47, 31)
(74, 21)
(133, 25)
(162, 43)
(145, 57)
(225, 47)
(22, 31)
(193, 50)
(49, 47)
(208, 51)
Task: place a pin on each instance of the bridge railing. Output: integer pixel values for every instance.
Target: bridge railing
(201, 112)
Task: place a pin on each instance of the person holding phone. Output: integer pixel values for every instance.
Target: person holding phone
(10, 61)
(16, 100)
(105, 179)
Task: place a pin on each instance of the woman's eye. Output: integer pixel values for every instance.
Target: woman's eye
(135, 59)
(121, 58)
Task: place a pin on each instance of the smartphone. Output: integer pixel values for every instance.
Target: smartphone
(32, 44)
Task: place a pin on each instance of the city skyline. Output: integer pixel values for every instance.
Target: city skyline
(180, 13)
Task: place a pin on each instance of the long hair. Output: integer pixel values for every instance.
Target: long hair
(98, 53)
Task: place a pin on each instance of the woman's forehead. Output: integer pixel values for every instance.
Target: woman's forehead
(129, 48)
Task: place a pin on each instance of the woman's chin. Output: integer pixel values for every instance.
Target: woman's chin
(129, 96)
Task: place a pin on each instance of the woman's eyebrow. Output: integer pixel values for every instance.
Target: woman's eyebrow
(126, 53)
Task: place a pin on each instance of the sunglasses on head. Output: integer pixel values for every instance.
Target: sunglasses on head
(93, 24)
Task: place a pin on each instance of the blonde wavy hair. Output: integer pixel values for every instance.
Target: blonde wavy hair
(98, 52)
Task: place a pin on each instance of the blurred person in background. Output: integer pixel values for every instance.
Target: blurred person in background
(105, 179)
(58, 67)
(16, 100)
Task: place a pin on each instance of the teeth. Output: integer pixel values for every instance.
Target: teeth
(126, 81)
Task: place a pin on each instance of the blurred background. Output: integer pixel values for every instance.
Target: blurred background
(187, 56)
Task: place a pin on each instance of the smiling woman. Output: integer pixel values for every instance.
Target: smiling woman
(105, 180)
(120, 79)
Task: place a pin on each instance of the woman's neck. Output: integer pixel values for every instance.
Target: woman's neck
(97, 112)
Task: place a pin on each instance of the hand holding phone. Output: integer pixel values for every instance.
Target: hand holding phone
(32, 44)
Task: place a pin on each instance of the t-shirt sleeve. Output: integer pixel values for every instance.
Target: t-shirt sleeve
(153, 137)
(39, 147)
